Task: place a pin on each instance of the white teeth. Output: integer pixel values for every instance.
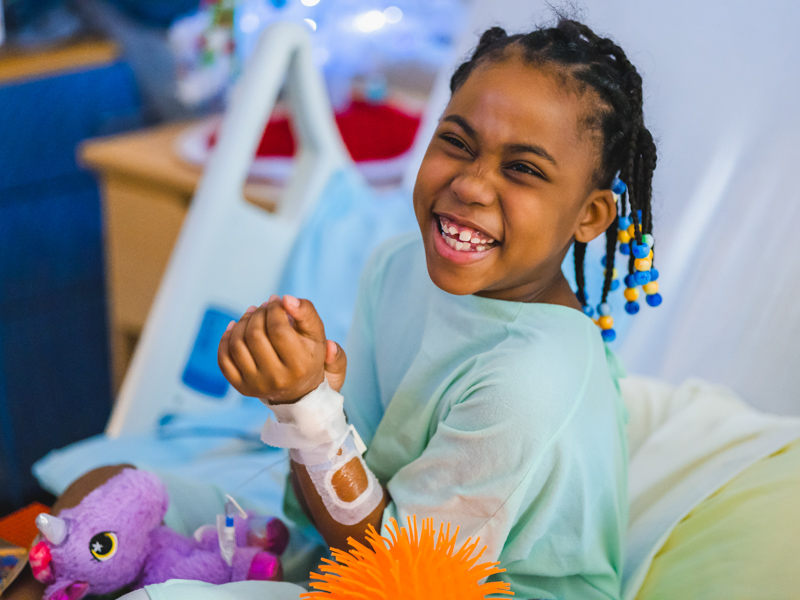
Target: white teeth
(464, 236)
(475, 240)
(481, 248)
(452, 230)
(450, 242)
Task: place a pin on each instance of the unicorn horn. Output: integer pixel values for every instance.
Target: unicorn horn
(53, 528)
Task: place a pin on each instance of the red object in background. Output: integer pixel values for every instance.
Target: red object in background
(19, 527)
(370, 132)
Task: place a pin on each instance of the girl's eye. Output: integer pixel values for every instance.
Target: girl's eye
(455, 142)
(103, 545)
(525, 169)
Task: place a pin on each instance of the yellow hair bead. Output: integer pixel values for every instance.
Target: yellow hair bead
(623, 236)
(605, 322)
(643, 264)
(650, 256)
(632, 231)
(650, 288)
(615, 274)
(631, 294)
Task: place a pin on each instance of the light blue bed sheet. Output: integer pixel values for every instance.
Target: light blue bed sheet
(200, 458)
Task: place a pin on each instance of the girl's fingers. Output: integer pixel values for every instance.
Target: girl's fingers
(285, 340)
(307, 321)
(226, 364)
(238, 350)
(264, 355)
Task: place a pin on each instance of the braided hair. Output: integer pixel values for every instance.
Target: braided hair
(596, 63)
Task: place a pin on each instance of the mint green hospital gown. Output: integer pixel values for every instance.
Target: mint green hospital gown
(503, 418)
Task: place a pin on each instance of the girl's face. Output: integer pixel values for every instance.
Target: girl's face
(505, 186)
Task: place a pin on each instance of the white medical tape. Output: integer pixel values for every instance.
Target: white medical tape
(346, 513)
(315, 424)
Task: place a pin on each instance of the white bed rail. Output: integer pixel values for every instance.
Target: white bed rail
(230, 253)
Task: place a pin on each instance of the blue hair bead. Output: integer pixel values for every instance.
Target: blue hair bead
(614, 285)
(618, 186)
(603, 261)
(654, 299)
(604, 309)
(641, 277)
(588, 310)
(641, 250)
(624, 222)
(630, 281)
(639, 214)
(625, 249)
(653, 274)
(609, 335)
(632, 307)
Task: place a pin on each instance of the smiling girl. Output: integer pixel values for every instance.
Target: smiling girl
(484, 393)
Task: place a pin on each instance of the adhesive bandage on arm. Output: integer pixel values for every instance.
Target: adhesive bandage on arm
(315, 431)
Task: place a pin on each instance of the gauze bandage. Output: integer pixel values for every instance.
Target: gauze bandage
(315, 431)
(314, 427)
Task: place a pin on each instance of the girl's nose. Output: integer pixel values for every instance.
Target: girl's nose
(473, 188)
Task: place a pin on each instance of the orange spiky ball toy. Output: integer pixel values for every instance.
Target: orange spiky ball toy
(412, 565)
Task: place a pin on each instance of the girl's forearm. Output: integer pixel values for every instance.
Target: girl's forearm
(341, 500)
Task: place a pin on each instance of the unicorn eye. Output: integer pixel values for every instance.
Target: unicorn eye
(103, 545)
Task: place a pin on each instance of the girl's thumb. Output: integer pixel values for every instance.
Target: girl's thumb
(335, 364)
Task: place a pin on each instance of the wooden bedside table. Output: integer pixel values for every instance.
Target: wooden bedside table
(146, 190)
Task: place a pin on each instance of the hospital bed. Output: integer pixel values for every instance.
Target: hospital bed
(171, 387)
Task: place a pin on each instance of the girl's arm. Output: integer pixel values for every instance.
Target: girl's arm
(278, 352)
(332, 530)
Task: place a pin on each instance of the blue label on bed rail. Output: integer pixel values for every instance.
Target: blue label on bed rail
(202, 371)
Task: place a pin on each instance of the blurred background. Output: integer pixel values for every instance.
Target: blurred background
(109, 109)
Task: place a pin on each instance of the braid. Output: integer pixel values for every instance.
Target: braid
(493, 41)
(580, 254)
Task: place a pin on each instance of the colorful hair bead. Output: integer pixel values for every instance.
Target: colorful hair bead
(631, 308)
(650, 288)
(609, 335)
(643, 274)
(654, 300)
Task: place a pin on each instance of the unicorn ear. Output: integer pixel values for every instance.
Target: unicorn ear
(53, 528)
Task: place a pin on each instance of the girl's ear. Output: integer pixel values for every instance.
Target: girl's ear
(599, 212)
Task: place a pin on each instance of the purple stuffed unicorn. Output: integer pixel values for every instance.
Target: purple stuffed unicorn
(115, 539)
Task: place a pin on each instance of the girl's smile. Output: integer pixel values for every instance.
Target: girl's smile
(506, 185)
